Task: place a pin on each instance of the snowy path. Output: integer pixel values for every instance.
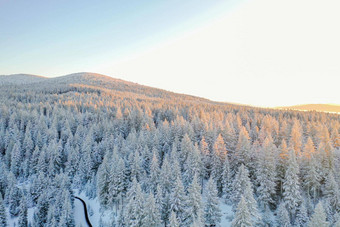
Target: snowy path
(85, 211)
(79, 213)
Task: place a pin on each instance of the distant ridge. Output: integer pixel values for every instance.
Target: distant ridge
(332, 108)
(18, 79)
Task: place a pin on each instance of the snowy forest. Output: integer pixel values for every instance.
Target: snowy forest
(141, 156)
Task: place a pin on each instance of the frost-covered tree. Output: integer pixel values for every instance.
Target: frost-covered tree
(318, 219)
(282, 216)
(331, 192)
(195, 201)
(243, 149)
(212, 212)
(226, 180)
(133, 213)
(22, 222)
(291, 186)
(266, 173)
(151, 216)
(302, 215)
(178, 201)
(240, 183)
(14, 201)
(104, 181)
(173, 222)
(242, 216)
(3, 218)
(154, 173)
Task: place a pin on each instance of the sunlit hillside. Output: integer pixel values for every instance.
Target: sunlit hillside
(141, 156)
(332, 108)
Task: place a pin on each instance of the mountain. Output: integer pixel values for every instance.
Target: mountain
(17, 79)
(93, 82)
(110, 143)
(332, 108)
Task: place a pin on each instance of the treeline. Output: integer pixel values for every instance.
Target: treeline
(158, 161)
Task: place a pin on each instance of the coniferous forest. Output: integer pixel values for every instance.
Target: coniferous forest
(141, 156)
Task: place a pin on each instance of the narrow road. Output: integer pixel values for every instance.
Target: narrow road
(85, 212)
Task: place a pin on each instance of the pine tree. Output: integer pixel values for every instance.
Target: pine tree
(251, 203)
(243, 149)
(133, 213)
(3, 218)
(104, 181)
(23, 213)
(67, 218)
(40, 214)
(266, 173)
(240, 183)
(331, 192)
(178, 201)
(154, 173)
(318, 219)
(151, 217)
(193, 165)
(195, 201)
(291, 186)
(283, 216)
(302, 216)
(226, 180)
(173, 220)
(16, 159)
(242, 217)
(206, 157)
(312, 177)
(212, 212)
(14, 201)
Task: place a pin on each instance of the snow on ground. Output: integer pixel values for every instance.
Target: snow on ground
(79, 215)
(227, 214)
(92, 204)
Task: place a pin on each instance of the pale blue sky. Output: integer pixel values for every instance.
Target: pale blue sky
(258, 52)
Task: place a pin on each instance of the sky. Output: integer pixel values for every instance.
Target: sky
(257, 52)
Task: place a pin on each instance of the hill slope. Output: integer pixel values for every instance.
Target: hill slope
(315, 107)
(18, 79)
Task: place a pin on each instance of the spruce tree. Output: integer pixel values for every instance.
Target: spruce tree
(151, 216)
(212, 212)
(195, 201)
(318, 219)
(282, 216)
(291, 186)
(178, 201)
(173, 220)
(242, 216)
(3, 218)
(23, 213)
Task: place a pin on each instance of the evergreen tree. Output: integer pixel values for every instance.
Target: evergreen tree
(291, 186)
(226, 180)
(151, 217)
(173, 220)
(331, 192)
(318, 219)
(154, 173)
(212, 212)
(195, 201)
(3, 218)
(14, 201)
(241, 182)
(302, 216)
(23, 213)
(242, 217)
(178, 201)
(266, 174)
(283, 216)
(133, 213)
